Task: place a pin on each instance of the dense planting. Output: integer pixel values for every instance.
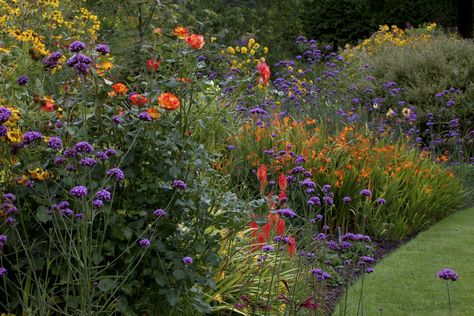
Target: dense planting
(198, 177)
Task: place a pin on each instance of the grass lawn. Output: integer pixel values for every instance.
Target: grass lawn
(405, 283)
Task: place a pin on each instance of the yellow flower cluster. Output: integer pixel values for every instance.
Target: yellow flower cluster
(30, 36)
(87, 21)
(392, 36)
(14, 135)
(244, 56)
(49, 3)
(56, 19)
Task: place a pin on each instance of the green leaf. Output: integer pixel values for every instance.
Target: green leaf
(42, 215)
(178, 274)
(106, 284)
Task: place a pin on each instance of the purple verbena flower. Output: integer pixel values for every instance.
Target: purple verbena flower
(22, 80)
(320, 274)
(78, 191)
(145, 116)
(104, 195)
(3, 272)
(381, 201)
(448, 274)
(187, 261)
(366, 259)
(55, 142)
(84, 147)
(88, 162)
(144, 243)
(115, 173)
(159, 213)
(98, 203)
(286, 212)
(179, 184)
(366, 192)
(267, 248)
(31, 136)
(76, 46)
(102, 49)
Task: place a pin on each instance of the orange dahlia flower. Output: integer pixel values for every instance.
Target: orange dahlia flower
(180, 32)
(120, 88)
(138, 99)
(195, 41)
(169, 101)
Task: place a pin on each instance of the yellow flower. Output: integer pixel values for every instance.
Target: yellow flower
(248, 61)
(213, 39)
(390, 113)
(256, 46)
(251, 42)
(265, 50)
(252, 52)
(231, 50)
(39, 174)
(244, 50)
(14, 135)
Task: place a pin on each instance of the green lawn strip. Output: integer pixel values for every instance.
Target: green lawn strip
(405, 283)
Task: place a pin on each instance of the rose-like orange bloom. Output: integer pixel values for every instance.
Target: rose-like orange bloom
(195, 41)
(138, 99)
(120, 88)
(154, 113)
(282, 182)
(180, 32)
(265, 73)
(169, 101)
(153, 64)
(262, 177)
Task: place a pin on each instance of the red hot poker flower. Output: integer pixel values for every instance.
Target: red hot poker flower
(282, 182)
(281, 227)
(262, 177)
(291, 246)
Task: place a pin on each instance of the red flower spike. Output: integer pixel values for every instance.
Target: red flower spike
(282, 182)
(265, 73)
(273, 219)
(153, 64)
(261, 238)
(254, 225)
(266, 230)
(281, 227)
(262, 177)
(292, 246)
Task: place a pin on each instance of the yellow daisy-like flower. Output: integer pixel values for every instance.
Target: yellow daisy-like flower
(14, 135)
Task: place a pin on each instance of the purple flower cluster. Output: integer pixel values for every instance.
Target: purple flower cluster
(8, 208)
(76, 46)
(144, 243)
(22, 80)
(55, 142)
(52, 60)
(179, 184)
(102, 49)
(78, 191)
(448, 274)
(160, 213)
(31, 136)
(188, 261)
(115, 173)
(320, 275)
(80, 62)
(286, 212)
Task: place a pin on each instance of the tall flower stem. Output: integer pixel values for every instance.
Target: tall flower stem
(449, 299)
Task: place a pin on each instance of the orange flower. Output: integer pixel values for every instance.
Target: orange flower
(153, 64)
(138, 99)
(195, 41)
(262, 177)
(154, 113)
(180, 32)
(120, 88)
(282, 182)
(47, 106)
(265, 73)
(169, 101)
